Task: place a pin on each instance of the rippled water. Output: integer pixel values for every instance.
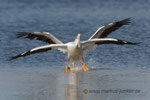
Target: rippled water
(26, 78)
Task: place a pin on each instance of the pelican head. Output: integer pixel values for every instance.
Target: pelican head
(77, 40)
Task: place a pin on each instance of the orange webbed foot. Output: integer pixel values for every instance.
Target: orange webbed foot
(67, 70)
(84, 67)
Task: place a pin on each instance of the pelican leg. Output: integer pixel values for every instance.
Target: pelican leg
(67, 69)
(73, 65)
(84, 67)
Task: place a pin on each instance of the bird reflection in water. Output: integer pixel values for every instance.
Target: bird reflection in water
(75, 89)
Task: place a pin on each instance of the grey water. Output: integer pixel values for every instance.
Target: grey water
(112, 67)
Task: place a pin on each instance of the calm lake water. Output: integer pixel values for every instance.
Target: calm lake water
(113, 68)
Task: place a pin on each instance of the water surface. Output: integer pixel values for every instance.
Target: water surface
(40, 76)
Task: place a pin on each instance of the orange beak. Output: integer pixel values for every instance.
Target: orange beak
(78, 37)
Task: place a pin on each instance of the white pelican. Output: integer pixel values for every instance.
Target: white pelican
(76, 48)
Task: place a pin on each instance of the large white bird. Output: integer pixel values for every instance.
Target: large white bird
(76, 48)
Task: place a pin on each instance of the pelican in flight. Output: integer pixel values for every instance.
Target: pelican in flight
(75, 49)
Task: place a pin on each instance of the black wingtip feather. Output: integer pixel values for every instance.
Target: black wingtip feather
(20, 34)
(126, 21)
(32, 35)
(120, 42)
(28, 53)
(131, 43)
(20, 55)
(137, 43)
(12, 58)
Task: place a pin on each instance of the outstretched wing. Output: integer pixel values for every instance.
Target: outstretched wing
(90, 43)
(42, 36)
(41, 49)
(104, 31)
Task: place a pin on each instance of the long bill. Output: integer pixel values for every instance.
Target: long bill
(78, 38)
